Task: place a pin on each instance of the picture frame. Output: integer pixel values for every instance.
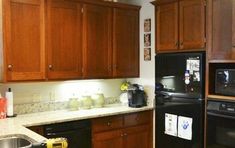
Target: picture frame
(147, 25)
(147, 40)
(147, 54)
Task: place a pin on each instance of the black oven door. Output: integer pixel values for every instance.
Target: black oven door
(220, 130)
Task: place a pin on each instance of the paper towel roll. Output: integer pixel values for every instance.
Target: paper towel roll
(9, 97)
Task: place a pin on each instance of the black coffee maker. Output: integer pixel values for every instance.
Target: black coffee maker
(136, 96)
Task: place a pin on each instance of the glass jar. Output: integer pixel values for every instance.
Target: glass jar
(98, 100)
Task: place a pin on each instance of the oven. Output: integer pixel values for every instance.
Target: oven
(220, 124)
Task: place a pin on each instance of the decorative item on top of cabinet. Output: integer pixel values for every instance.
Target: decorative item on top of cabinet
(126, 42)
(180, 25)
(64, 39)
(97, 39)
(219, 30)
(24, 37)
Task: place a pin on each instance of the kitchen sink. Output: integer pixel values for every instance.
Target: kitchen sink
(16, 141)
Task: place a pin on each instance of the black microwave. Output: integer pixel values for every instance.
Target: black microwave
(225, 82)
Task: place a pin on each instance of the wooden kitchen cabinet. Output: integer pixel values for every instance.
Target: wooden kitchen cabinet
(24, 37)
(192, 24)
(180, 25)
(135, 133)
(167, 27)
(97, 40)
(108, 139)
(64, 39)
(125, 42)
(137, 137)
(220, 28)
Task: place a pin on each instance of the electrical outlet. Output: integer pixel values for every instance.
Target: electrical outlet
(52, 96)
(36, 97)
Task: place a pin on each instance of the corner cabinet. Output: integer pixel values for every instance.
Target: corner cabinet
(24, 40)
(125, 42)
(64, 40)
(180, 25)
(123, 131)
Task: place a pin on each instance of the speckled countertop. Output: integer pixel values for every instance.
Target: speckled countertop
(17, 125)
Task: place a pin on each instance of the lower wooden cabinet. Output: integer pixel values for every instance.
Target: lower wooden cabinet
(137, 135)
(107, 139)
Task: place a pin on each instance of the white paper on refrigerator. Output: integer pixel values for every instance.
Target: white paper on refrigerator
(185, 127)
(171, 124)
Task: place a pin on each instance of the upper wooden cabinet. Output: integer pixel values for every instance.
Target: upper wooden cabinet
(233, 26)
(97, 28)
(180, 25)
(220, 18)
(167, 27)
(125, 43)
(192, 24)
(24, 40)
(64, 39)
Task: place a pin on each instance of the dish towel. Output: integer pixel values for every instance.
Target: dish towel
(185, 127)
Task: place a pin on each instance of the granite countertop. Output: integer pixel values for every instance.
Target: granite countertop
(17, 125)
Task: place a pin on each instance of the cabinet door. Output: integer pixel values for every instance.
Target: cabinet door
(108, 139)
(64, 39)
(125, 43)
(97, 41)
(167, 27)
(24, 39)
(221, 31)
(233, 28)
(137, 137)
(192, 24)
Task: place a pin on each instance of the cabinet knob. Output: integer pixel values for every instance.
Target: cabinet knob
(122, 135)
(182, 43)
(50, 67)
(9, 67)
(125, 134)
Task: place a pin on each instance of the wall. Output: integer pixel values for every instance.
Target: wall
(147, 68)
(61, 91)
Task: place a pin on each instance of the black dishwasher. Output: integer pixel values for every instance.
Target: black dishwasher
(78, 133)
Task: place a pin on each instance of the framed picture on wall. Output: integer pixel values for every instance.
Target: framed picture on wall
(147, 25)
(147, 54)
(147, 40)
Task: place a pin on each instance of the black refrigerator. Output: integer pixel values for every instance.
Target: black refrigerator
(179, 90)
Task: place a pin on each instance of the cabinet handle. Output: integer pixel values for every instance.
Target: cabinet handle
(177, 44)
(9, 67)
(50, 67)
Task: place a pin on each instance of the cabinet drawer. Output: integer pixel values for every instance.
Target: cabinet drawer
(137, 118)
(107, 123)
